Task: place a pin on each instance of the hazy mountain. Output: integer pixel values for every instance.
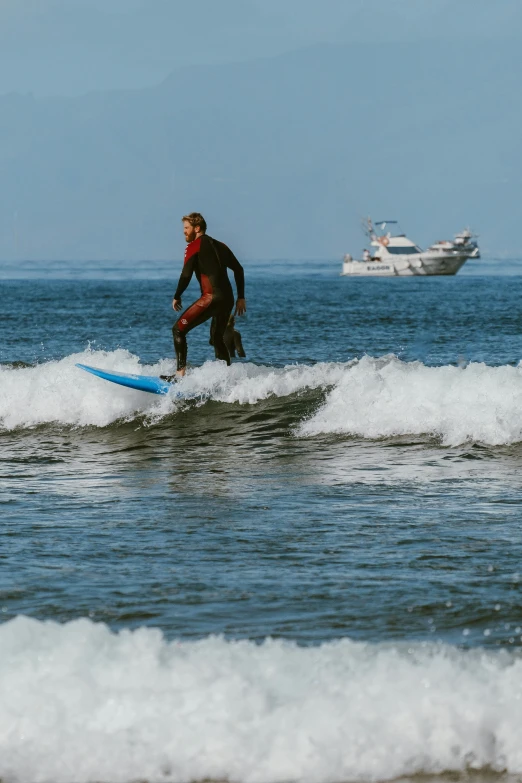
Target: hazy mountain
(283, 155)
(67, 47)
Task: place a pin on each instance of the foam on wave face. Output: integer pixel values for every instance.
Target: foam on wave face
(370, 398)
(79, 703)
(59, 392)
(377, 398)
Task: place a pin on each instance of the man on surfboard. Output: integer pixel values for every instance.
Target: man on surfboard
(209, 260)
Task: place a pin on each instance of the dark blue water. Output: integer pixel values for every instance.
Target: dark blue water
(310, 569)
(223, 517)
(297, 312)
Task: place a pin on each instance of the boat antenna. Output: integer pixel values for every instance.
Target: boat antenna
(367, 227)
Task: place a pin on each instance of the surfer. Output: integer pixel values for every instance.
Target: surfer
(209, 260)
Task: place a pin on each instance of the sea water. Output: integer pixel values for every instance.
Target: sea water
(309, 570)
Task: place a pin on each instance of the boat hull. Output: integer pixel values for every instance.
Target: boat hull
(424, 264)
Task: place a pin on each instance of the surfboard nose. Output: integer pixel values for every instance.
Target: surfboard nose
(146, 383)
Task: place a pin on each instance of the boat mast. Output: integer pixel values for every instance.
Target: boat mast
(367, 225)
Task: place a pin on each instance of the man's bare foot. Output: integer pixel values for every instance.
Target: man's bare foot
(173, 378)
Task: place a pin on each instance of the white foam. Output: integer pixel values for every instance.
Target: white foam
(370, 398)
(59, 392)
(378, 398)
(79, 703)
(248, 383)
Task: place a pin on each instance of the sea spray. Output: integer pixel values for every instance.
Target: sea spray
(80, 703)
(59, 392)
(383, 399)
(371, 398)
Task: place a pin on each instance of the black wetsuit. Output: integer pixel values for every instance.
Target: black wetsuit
(209, 260)
(231, 337)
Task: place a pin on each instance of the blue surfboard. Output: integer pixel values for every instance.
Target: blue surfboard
(146, 383)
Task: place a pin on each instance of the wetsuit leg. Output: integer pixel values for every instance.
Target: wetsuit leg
(198, 312)
(228, 337)
(212, 330)
(238, 344)
(220, 348)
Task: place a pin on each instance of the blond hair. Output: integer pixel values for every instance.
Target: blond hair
(196, 219)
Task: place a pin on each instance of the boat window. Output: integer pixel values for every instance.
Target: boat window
(406, 250)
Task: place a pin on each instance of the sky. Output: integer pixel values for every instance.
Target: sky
(326, 110)
(66, 47)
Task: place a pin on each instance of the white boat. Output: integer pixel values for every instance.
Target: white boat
(392, 253)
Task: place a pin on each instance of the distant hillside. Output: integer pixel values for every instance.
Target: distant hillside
(69, 47)
(283, 155)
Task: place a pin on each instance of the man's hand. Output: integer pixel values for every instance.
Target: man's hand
(240, 307)
(176, 304)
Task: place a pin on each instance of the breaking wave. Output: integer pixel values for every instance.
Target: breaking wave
(381, 398)
(59, 392)
(369, 398)
(80, 703)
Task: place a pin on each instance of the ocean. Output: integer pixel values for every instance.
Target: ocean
(310, 570)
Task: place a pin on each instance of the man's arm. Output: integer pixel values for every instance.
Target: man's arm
(239, 276)
(184, 279)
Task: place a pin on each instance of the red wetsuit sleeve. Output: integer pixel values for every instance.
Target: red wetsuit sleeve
(185, 276)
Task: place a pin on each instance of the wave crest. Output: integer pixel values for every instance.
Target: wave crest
(380, 398)
(369, 398)
(59, 392)
(80, 703)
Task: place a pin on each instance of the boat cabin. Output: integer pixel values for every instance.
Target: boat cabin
(387, 242)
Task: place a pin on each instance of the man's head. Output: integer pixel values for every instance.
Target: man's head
(193, 225)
